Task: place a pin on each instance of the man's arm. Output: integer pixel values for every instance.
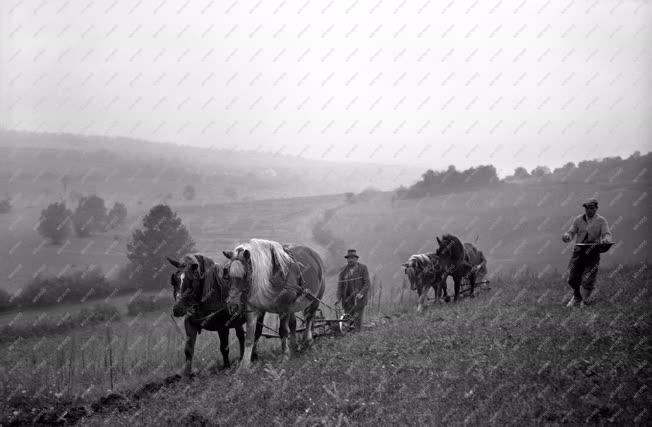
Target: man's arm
(605, 232)
(572, 231)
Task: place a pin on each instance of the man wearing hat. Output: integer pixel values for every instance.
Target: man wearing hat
(589, 230)
(353, 287)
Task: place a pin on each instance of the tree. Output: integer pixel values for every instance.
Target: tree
(189, 192)
(162, 235)
(540, 171)
(5, 206)
(117, 215)
(55, 222)
(231, 193)
(521, 173)
(89, 216)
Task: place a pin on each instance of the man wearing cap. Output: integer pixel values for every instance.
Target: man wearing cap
(588, 229)
(353, 287)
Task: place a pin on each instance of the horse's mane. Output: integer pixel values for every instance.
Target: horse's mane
(264, 255)
(420, 259)
(205, 263)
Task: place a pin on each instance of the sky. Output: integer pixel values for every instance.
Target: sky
(511, 83)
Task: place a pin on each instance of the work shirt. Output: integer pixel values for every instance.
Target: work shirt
(589, 230)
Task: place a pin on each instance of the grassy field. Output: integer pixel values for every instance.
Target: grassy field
(512, 355)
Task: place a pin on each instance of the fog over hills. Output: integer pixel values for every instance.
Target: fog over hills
(37, 162)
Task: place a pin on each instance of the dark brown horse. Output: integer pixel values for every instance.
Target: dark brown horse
(461, 261)
(200, 290)
(423, 272)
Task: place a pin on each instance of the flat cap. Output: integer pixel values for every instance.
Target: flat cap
(590, 202)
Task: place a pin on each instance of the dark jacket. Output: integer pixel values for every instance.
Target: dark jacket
(349, 287)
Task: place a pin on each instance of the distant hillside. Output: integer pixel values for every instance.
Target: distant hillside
(36, 163)
(518, 226)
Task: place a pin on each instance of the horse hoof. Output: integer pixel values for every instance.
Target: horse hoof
(243, 368)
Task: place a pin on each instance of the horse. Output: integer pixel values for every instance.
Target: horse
(200, 290)
(461, 261)
(269, 277)
(423, 272)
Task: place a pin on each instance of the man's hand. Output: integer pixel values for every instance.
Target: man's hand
(566, 238)
(360, 295)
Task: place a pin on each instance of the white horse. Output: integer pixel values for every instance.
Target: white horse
(269, 277)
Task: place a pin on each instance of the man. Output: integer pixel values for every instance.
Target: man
(589, 230)
(353, 287)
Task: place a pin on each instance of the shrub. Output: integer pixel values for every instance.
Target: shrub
(148, 303)
(5, 206)
(189, 192)
(117, 216)
(55, 223)
(89, 216)
(450, 181)
(75, 286)
(5, 300)
(98, 313)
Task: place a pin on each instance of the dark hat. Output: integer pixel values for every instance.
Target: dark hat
(351, 253)
(590, 202)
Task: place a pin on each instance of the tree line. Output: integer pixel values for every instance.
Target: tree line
(634, 169)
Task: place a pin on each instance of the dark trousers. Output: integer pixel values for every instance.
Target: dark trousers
(583, 270)
(354, 307)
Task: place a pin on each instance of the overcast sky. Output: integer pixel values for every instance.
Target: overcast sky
(455, 82)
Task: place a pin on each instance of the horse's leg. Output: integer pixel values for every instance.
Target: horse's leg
(309, 314)
(292, 325)
(422, 301)
(240, 333)
(283, 329)
(259, 331)
(189, 350)
(457, 282)
(444, 288)
(252, 316)
(223, 333)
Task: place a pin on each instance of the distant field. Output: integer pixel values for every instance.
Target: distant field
(214, 227)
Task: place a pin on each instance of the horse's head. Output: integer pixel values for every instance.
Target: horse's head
(420, 269)
(185, 281)
(450, 251)
(410, 268)
(238, 272)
